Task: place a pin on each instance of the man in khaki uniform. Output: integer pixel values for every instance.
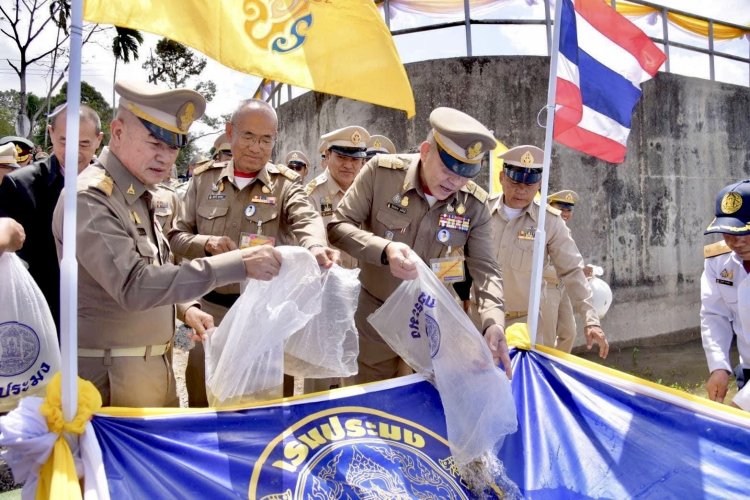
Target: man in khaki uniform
(8, 160)
(24, 149)
(556, 306)
(222, 150)
(298, 162)
(380, 144)
(514, 222)
(127, 287)
(425, 202)
(344, 155)
(245, 202)
(346, 150)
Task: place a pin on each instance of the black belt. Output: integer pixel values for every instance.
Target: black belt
(222, 299)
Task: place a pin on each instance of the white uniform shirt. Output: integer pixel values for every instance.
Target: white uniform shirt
(725, 309)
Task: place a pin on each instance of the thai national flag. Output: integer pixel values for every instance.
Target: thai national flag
(603, 59)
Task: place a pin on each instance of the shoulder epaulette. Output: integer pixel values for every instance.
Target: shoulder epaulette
(553, 210)
(391, 161)
(714, 249)
(207, 166)
(101, 181)
(475, 189)
(319, 180)
(287, 172)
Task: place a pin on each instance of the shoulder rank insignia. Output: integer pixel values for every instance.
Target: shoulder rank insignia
(101, 181)
(474, 189)
(391, 161)
(207, 166)
(310, 187)
(714, 249)
(287, 172)
(553, 210)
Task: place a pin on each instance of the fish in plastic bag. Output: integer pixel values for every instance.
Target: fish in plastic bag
(424, 325)
(29, 350)
(328, 345)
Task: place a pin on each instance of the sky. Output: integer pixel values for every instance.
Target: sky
(98, 64)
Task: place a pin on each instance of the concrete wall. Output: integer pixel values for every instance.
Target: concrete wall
(642, 221)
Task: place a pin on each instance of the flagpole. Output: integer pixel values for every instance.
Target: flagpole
(540, 237)
(69, 264)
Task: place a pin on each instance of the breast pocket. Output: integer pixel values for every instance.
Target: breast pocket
(390, 224)
(730, 296)
(522, 255)
(212, 219)
(163, 216)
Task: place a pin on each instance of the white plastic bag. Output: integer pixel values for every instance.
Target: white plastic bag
(425, 326)
(245, 354)
(29, 352)
(328, 346)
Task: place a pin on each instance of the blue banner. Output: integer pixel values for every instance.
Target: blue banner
(583, 432)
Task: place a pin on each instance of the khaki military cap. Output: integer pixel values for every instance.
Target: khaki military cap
(380, 144)
(166, 113)
(198, 158)
(564, 197)
(222, 143)
(462, 141)
(24, 147)
(348, 141)
(296, 157)
(8, 158)
(523, 164)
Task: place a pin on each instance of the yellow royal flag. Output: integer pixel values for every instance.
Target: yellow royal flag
(339, 47)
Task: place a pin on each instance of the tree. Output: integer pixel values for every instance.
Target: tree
(9, 104)
(23, 21)
(124, 45)
(174, 65)
(89, 96)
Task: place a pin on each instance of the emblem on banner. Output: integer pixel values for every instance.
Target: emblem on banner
(353, 453)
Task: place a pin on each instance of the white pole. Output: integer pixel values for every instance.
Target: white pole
(69, 264)
(540, 238)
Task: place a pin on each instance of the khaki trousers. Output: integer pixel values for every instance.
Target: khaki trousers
(133, 382)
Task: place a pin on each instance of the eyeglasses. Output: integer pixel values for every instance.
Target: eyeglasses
(250, 139)
(296, 166)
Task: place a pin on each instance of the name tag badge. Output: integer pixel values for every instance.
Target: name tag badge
(724, 282)
(448, 269)
(254, 240)
(217, 197)
(397, 208)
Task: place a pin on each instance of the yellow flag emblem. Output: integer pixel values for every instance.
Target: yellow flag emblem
(299, 42)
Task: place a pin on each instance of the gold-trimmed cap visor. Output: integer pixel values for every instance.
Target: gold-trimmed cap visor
(457, 166)
(732, 213)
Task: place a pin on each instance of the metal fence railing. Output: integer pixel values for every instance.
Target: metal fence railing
(277, 95)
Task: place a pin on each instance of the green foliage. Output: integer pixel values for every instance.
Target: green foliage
(174, 65)
(9, 105)
(126, 43)
(89, 96)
